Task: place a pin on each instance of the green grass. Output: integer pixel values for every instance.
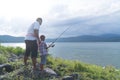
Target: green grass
(60, 66)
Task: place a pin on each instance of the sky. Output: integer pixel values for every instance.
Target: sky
(84, 17)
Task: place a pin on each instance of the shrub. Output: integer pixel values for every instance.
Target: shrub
(3, 59)
(18, 51)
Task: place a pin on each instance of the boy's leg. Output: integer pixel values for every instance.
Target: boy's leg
(43, 62)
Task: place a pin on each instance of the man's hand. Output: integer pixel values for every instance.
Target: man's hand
(39, 41)
(36, 33)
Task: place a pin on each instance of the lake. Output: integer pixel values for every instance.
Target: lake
(99, 53)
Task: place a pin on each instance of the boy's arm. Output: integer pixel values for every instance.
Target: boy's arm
(46, 46)
(51, 45)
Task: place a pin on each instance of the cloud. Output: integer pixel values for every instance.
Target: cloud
(15, 26)
(84, 16)
(108, 23)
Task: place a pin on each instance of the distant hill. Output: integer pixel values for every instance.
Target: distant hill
(91, 38)
(8, 38)
(84, 38)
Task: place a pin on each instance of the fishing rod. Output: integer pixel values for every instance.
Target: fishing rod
(52, 44)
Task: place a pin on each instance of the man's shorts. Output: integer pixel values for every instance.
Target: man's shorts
(43, 59)
(31, 48)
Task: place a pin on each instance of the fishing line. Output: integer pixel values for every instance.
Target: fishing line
(52, 44)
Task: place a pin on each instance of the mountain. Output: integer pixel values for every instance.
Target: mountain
(8, 38)
(84, 38)
(92, 38)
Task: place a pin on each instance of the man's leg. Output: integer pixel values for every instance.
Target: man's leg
(41, 67)
(25, 60)
(34, 61)
(34, 53)
(27, 52)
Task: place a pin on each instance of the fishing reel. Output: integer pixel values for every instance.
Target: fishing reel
(52, 45)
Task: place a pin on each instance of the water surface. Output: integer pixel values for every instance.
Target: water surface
(100, 53)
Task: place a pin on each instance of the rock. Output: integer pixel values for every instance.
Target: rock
(75, 76)
(46, 73)
(71, 77)
(8, 67)
(12, 60)
(12, 57)
(67, 78)
(50, 72)
(20, 56)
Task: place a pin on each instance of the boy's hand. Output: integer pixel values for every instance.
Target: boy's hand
(51, 45)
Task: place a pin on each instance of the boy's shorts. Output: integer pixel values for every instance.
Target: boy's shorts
(43, 59)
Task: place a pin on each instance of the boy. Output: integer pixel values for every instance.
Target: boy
(43, 52)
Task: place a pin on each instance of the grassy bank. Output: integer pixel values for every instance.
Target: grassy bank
(60, 66)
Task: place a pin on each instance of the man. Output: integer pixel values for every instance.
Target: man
(31, 40)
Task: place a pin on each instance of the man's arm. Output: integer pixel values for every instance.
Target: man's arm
(36, 34)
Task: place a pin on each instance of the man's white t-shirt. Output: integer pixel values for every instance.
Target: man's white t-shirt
(30, 32)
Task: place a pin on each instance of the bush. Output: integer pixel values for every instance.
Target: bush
(18, 51)
(3, 59)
